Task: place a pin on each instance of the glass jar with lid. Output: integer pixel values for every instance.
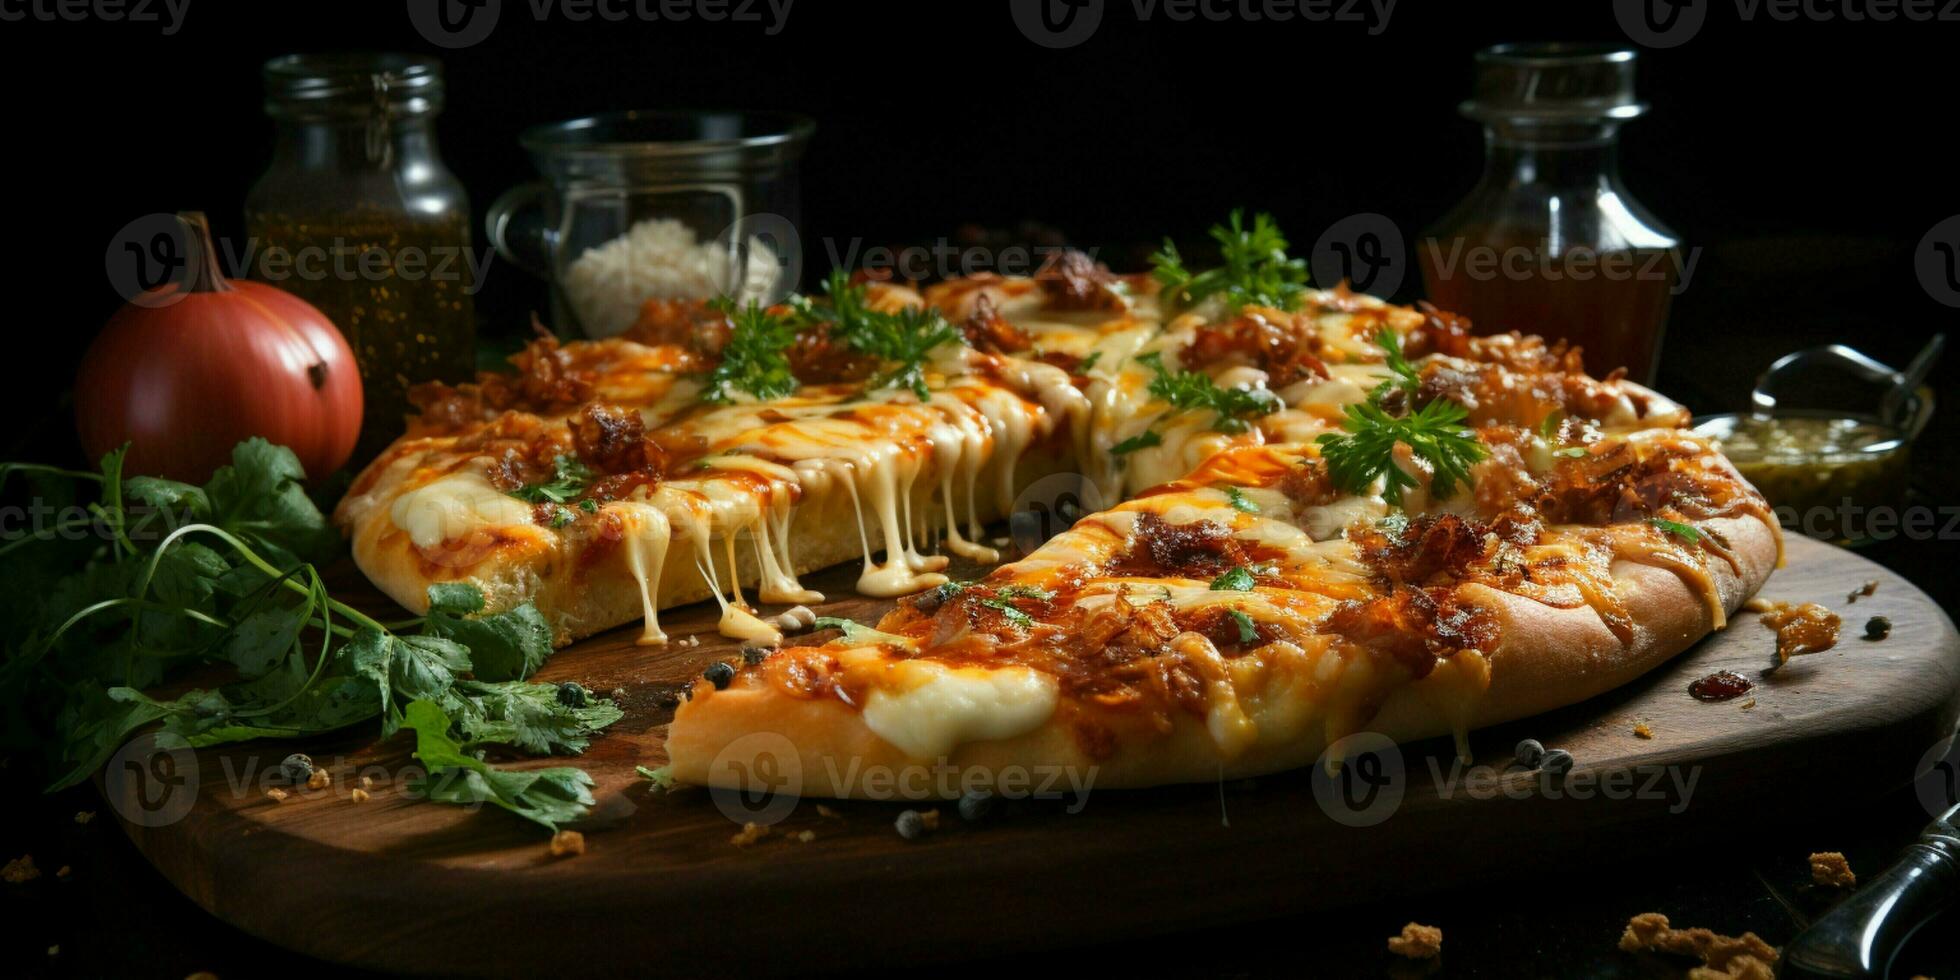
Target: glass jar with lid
(358, 215)
(1549, 241)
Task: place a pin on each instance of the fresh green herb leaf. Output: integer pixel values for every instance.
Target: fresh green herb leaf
(662, 778)
(1406, 377)
(1008, 610)
(858, 634)
(1248, 633)
(569, 478)
(1025, 592)
(902, 341)
(1571, 452)
(550, 797)
(1189, 390)
(1238, 578)
(510, 645)
(1366, 452)
(1142, 440)
(1686, 532)
(529, 716)
(1548, 429)
(755, 361)
(1089, 363)
(1256, 270)
(1240, 502)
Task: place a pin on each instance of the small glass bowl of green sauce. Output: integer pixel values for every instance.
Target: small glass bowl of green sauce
(1828, 475)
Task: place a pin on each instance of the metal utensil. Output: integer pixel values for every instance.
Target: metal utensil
(1861, 935)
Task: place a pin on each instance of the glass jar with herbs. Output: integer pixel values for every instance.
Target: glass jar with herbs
(358, 215)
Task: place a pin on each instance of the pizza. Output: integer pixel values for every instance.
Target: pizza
(1326, 514)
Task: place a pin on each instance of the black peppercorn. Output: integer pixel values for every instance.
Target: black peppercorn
(719, 674)
(571, 695)
(1878, 628)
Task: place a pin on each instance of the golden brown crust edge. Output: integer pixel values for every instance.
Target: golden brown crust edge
(1550, 658)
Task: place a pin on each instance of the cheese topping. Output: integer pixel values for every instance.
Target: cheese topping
(939, 708)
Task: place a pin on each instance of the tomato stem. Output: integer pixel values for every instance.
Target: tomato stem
(210, 277)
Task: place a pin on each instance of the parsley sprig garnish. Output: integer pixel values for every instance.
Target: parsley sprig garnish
(1191, 390)
(569, 478)
(1257, 270)
(902, 341)
(756, 357)
(1435, 433)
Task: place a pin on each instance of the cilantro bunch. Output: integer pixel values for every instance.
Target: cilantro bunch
(162, 580)
(901, 341)
(1256, 271)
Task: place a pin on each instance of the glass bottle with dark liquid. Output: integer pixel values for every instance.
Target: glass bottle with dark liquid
(358, 215)
(1550, 242)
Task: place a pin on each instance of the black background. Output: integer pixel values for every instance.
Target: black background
(1805, 159)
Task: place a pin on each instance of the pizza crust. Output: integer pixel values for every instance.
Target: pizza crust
(1549, 658)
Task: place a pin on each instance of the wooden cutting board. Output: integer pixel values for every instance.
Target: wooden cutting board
(662, 888)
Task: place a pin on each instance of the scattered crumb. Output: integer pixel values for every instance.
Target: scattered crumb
(64, 871)
(1640, 730)
(749, 834)
(618, 694)
(1800, 629)
(1866, 589)
(321, 779)
(929, 819)
(359, 796)
(1830, 869)
(54, 951)
(1746, 705)
(20, 869)
(367, 782)
(276, 795)
(1417, 942)
(824, 811)
(567, 842)
(806, 836)
(84, 816)
(1747, 956)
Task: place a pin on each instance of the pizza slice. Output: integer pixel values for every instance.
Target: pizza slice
(1243, 619)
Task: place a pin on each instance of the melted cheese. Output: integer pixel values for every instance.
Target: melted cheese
(454, 506)
(939, 708)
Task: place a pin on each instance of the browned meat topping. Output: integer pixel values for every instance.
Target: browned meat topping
(1284, 345)
(1071, 280)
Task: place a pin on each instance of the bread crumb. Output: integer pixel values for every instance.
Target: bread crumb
(1866, 589)
(749, 834)
(84, 816)
(20, 870)
(54, 951)
(567, 842)
(367, 782)
(1417, 942)
(1640, 730)
(321, 779)
(64, 871)
(276, 795)
(1830, 869)
(806, 836)
(1751, 703)
(929, 819)
(1726, 956)
(824, 811)
(360, 796)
